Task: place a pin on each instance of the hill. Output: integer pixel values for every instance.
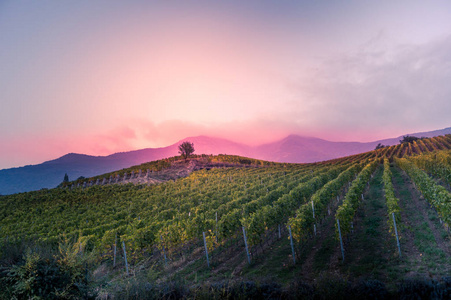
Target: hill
(292, 149)
(219, 221)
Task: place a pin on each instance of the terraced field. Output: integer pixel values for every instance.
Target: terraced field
(221, 218)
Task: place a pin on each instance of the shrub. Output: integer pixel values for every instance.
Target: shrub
(45, 273)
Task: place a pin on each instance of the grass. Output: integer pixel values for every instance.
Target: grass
(323, 255)
(423, 221)
(277, 264)
(370, 254)
(369, 243)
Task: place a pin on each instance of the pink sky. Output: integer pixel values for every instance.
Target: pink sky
(98, 77)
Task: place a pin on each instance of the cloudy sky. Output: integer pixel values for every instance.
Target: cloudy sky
(98, 77)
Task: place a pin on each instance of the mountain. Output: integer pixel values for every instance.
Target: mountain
(294, 149)
(298, 149)
(428, 134)
(51, 173)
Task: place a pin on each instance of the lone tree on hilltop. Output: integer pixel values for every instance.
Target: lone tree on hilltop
(186, 149)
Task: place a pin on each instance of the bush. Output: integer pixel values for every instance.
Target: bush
(40, 272)
(408, 139)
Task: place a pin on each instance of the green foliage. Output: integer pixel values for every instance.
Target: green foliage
(277, 213)
(379, 146)
(245, 192)
(186, 149)
(408, 139)
(43, 273)
(436, 194)
(391, 200)
(438, 164)
(302, 224)
(345, 213)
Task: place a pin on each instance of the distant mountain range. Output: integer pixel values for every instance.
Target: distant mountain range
(292, 149)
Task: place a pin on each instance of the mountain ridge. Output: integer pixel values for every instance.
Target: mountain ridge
(292, 149)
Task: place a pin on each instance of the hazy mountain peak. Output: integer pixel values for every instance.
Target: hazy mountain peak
(293, 148)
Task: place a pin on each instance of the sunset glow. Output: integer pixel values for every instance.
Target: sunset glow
(98, 77)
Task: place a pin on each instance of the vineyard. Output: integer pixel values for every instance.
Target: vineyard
(383, 215)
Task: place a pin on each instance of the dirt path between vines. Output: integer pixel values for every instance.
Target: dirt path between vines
(424, 242)
(323, 243)
(371, 247)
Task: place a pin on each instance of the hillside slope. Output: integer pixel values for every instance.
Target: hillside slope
(257, 221)
(292, 149)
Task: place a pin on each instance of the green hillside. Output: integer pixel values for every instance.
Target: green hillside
(270, 229)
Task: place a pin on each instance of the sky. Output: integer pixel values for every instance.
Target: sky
(99, 77)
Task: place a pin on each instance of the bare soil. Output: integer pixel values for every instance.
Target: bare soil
(178, 169)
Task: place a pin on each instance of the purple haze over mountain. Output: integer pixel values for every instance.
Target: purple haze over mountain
(292, 149)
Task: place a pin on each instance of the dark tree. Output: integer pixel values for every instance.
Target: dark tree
(408, 139)
(186, 149)
(379, 146)
(66, 178)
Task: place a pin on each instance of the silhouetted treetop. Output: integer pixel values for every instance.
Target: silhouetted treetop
(186, 149)
(408, 139)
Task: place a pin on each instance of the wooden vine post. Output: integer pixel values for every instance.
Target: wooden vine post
(245, 244)
(164, 252)
(292, 245)
(125, 257)
(396, 232)
(206, 249)
(114, 251)
(341, 241)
